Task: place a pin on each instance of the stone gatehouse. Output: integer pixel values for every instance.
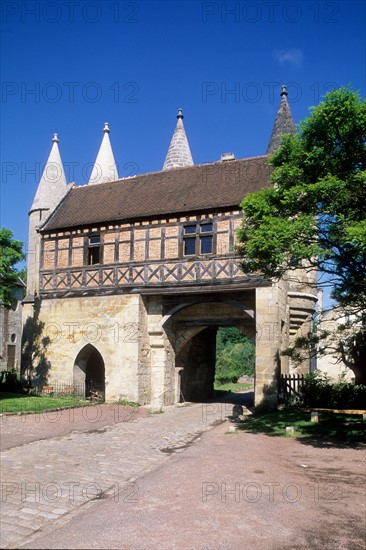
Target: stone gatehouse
(131, 278)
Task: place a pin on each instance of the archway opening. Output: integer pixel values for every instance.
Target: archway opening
(194, 332)
(89, 373)
(216, 360)
(196, 364)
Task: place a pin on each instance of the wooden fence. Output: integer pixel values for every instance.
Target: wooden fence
(289, 386)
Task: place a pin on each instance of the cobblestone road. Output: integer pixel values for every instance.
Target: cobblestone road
(45, 482)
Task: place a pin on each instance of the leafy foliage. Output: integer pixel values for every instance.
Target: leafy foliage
(235, 355)
(9, 382)
(10, 254)
(318, 392)
(314, 215)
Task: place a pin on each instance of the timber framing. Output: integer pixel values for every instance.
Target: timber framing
(142, 256)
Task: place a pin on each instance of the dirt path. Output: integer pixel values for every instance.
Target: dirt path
(178, 480)
(232, 492)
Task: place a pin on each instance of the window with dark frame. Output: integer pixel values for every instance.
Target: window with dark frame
(93, 256)
(198, 239)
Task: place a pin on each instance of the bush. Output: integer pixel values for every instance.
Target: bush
(318, 392)
(9, 382)
(349, 396)
(226, 377)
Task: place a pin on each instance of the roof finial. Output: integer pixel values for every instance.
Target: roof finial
(180, 114)
(55, 138)
(284, 90)
(106, 127)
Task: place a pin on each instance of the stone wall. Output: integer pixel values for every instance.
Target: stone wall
(151, 343)
(109, 323)
(34, 251)
(10, 337)
(268, 343)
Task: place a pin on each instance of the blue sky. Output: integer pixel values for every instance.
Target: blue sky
(68, 67)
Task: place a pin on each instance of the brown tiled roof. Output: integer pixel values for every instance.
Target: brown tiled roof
(194, 188)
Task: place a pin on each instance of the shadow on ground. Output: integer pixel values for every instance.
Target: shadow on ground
(245, 398)
(332, 431)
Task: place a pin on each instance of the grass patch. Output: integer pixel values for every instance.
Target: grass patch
(20, 403)
(127, 403)
(347, 428)
(233, 387)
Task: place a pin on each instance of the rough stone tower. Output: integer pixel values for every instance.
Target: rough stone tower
(51, 189)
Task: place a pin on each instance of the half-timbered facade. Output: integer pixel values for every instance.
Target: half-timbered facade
(133, 277)
(162, 229)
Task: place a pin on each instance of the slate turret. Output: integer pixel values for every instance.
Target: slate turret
(179, 153)
(105, 168)
(284, 123)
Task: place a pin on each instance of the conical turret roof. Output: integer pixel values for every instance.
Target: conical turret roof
(284, 123)
(52, 185)
(179, 153)
(105, 168)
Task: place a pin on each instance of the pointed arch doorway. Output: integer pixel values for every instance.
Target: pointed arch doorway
(89, 371)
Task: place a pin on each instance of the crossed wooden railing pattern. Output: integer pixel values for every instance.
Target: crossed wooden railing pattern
(166, 273)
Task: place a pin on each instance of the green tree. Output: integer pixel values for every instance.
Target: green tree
(235, 355)
(10, 254)
(313, 217)
(227, 336)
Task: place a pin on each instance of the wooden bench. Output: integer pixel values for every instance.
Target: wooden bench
(48, 389)
(315, 412)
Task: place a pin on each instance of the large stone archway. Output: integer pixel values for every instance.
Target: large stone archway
(191, 330)
(89, 371)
